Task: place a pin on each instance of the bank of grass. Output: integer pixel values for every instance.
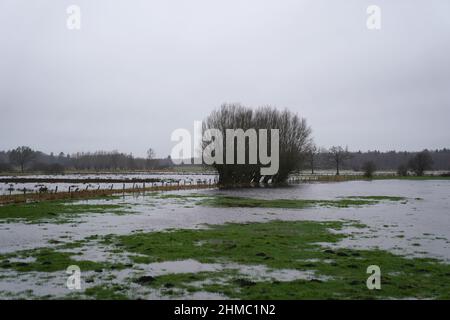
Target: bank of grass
(220, 200)
(284, 245)
(57, 210)
(378, 198)
(345, 202)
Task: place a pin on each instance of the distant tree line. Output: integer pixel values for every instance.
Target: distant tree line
(339, 158)
(24, 159)
(309, 158)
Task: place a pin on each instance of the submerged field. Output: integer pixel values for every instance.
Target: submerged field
(300, 242)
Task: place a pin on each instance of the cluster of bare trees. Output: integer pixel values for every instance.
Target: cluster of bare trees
(24, 158)
(294, 139)
(21, 156)
(421, 162)
(102, 160)
(336, 156)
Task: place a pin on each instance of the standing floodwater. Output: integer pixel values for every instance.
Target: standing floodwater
(401, 216)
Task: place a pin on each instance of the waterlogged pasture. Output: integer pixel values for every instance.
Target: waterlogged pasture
(311, 240)
(115, 181)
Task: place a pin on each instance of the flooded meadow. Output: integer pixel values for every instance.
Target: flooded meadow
(305, 240)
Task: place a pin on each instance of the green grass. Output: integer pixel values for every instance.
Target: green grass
(378, 198)
(48, 260)
(277, 245)
(111, 292)
(230, 201)
(55, 210)
(244, 202)
(285, 245)
(204, 245)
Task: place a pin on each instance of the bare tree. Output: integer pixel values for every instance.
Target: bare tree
(339, 155)
(21, 156)
(421, 162)
(150, 158)
(150, 154)
(312, 156)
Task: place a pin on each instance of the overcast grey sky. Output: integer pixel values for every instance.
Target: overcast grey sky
(137, 70)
